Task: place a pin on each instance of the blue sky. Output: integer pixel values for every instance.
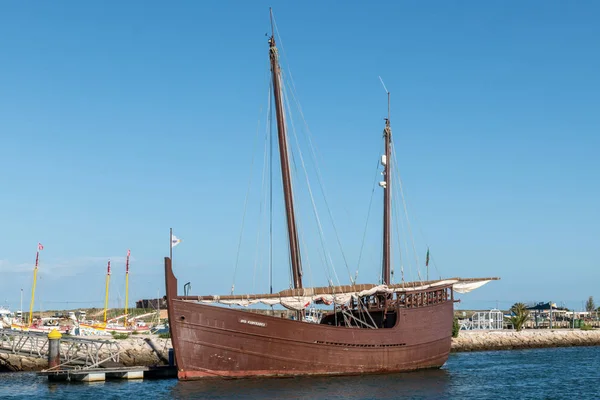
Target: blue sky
(121, 120)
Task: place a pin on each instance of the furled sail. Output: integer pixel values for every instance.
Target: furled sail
(299, 299)
(466, 287)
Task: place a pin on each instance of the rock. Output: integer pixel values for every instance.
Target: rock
(498, 340)
(135, 351)
(9, 362)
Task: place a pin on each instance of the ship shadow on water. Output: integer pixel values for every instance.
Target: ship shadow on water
(431, 383)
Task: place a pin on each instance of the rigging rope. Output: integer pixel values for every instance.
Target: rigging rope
(396, 219)
(362, 245)
(263, 180)
(293, 92)
(306, 257)
(320, 180)
(270, 116)
(399, 233)
(424, 238)
(435, 266)
(316, 214)
(321, 185)
(399, 179)
(237, 257)
(311, 146)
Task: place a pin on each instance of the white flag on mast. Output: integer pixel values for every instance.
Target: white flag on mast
(174, 241)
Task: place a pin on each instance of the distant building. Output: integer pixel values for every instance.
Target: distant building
(547, 314)
(152, 304)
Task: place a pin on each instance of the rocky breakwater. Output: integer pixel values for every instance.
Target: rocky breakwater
(13, 363)
(142, 350)
(146, 351)
(526, 339)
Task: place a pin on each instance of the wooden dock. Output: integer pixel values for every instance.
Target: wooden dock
(109, 373)
(88, 367)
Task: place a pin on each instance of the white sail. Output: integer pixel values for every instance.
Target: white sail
(308, 295)
(466, 287)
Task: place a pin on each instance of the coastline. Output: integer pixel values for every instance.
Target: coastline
(526, 339)
(149, 350)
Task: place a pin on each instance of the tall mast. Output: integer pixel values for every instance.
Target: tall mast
(285, 164)
(387, 199)
(35, 270)
(127, 285)
(106, 296)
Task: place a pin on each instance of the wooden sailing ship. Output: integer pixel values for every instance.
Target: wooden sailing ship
(374, 328)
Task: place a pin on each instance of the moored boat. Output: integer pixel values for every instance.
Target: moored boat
(6, 317)
(373, 328)
(41, 325)
(108, 326)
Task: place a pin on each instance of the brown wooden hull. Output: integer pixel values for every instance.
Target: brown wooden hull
(215, 341)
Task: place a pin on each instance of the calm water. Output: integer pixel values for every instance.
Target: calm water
(524, 374)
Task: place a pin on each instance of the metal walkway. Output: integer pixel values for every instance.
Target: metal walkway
(74, 351)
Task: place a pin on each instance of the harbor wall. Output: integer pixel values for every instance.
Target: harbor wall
(151, 350)
(526, 339)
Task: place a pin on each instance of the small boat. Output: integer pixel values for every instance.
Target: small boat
(112, 325)
(313, 315)
(41, 325)
(6, 318)
(38, 325)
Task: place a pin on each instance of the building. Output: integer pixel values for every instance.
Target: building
(152, 304)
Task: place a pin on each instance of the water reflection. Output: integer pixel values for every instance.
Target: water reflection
(563, 373)
(420, 384)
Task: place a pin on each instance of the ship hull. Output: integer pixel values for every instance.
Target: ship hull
(217, 342)
(39, 329)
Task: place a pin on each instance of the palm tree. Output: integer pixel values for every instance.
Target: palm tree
(590, 305)
(520, 315)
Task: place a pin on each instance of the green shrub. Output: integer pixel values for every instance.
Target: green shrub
(455, 327)
(120, 335)
(166, 335)
(586, 327)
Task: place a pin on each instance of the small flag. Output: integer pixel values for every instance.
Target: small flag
(175, 241)
(427, 258)
(40, 246)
